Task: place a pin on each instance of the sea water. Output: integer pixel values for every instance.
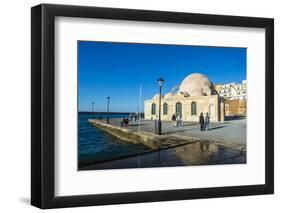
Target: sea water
(96, 145)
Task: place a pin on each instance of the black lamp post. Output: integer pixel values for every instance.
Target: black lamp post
(108, 98)
(160, 82)
(93, 106)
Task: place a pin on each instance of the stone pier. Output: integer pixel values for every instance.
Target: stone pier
(149, 139)
(230, 134)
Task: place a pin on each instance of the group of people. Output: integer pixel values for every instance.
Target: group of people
(177, 120)
(124, 122)
(204, 122)
(134, 115)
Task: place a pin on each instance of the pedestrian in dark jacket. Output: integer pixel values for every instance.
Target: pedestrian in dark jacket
(201, 121)
(173, 120)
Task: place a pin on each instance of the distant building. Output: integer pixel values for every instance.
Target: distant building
(195, 94)
(232, 91)
(235, 95)
(235, 107)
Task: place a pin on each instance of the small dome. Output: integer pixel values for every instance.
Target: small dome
(156, 96)
(169, 95)
(185, 94)
(197, 84)
(179, 94)
(175, 89)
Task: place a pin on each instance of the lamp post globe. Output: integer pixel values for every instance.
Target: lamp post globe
(160, 82)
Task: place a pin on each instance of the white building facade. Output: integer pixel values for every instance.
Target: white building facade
(196, 95)
(233, 91)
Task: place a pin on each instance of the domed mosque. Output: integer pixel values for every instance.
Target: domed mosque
(194, 95)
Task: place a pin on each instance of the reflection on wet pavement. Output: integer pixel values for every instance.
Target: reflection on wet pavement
(196, 153)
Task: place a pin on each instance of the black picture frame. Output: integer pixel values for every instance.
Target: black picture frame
(43, 111)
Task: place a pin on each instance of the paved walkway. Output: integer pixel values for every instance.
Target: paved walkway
(220, 145)
(231, 133)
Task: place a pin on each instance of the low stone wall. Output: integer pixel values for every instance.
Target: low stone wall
(147, 139)
(151, 140)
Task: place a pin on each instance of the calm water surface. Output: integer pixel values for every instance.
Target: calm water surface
(96, 145)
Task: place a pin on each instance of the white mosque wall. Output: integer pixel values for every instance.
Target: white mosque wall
(205, 104)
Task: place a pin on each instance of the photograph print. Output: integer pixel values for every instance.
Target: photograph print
(144, 105)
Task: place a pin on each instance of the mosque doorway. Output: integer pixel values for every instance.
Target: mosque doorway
(212, 111)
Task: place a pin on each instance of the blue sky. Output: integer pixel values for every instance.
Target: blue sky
(118, 69)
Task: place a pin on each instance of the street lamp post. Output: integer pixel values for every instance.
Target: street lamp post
(108, 98)
(93, 106)
(160, 82)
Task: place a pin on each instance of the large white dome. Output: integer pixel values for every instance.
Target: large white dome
(197, 84)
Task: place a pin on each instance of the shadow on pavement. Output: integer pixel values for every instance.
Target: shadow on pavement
(234, 117)
(217, 127)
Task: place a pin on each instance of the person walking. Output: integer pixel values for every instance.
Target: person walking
(201, 121)
(179, 121)
(173, 120)
(207, 121)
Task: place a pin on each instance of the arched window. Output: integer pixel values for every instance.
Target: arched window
(165, 109)
(178, 109)
(153, 109)
(193, 108)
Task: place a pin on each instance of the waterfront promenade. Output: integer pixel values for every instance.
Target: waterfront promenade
(230, 133)
(225, 143)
